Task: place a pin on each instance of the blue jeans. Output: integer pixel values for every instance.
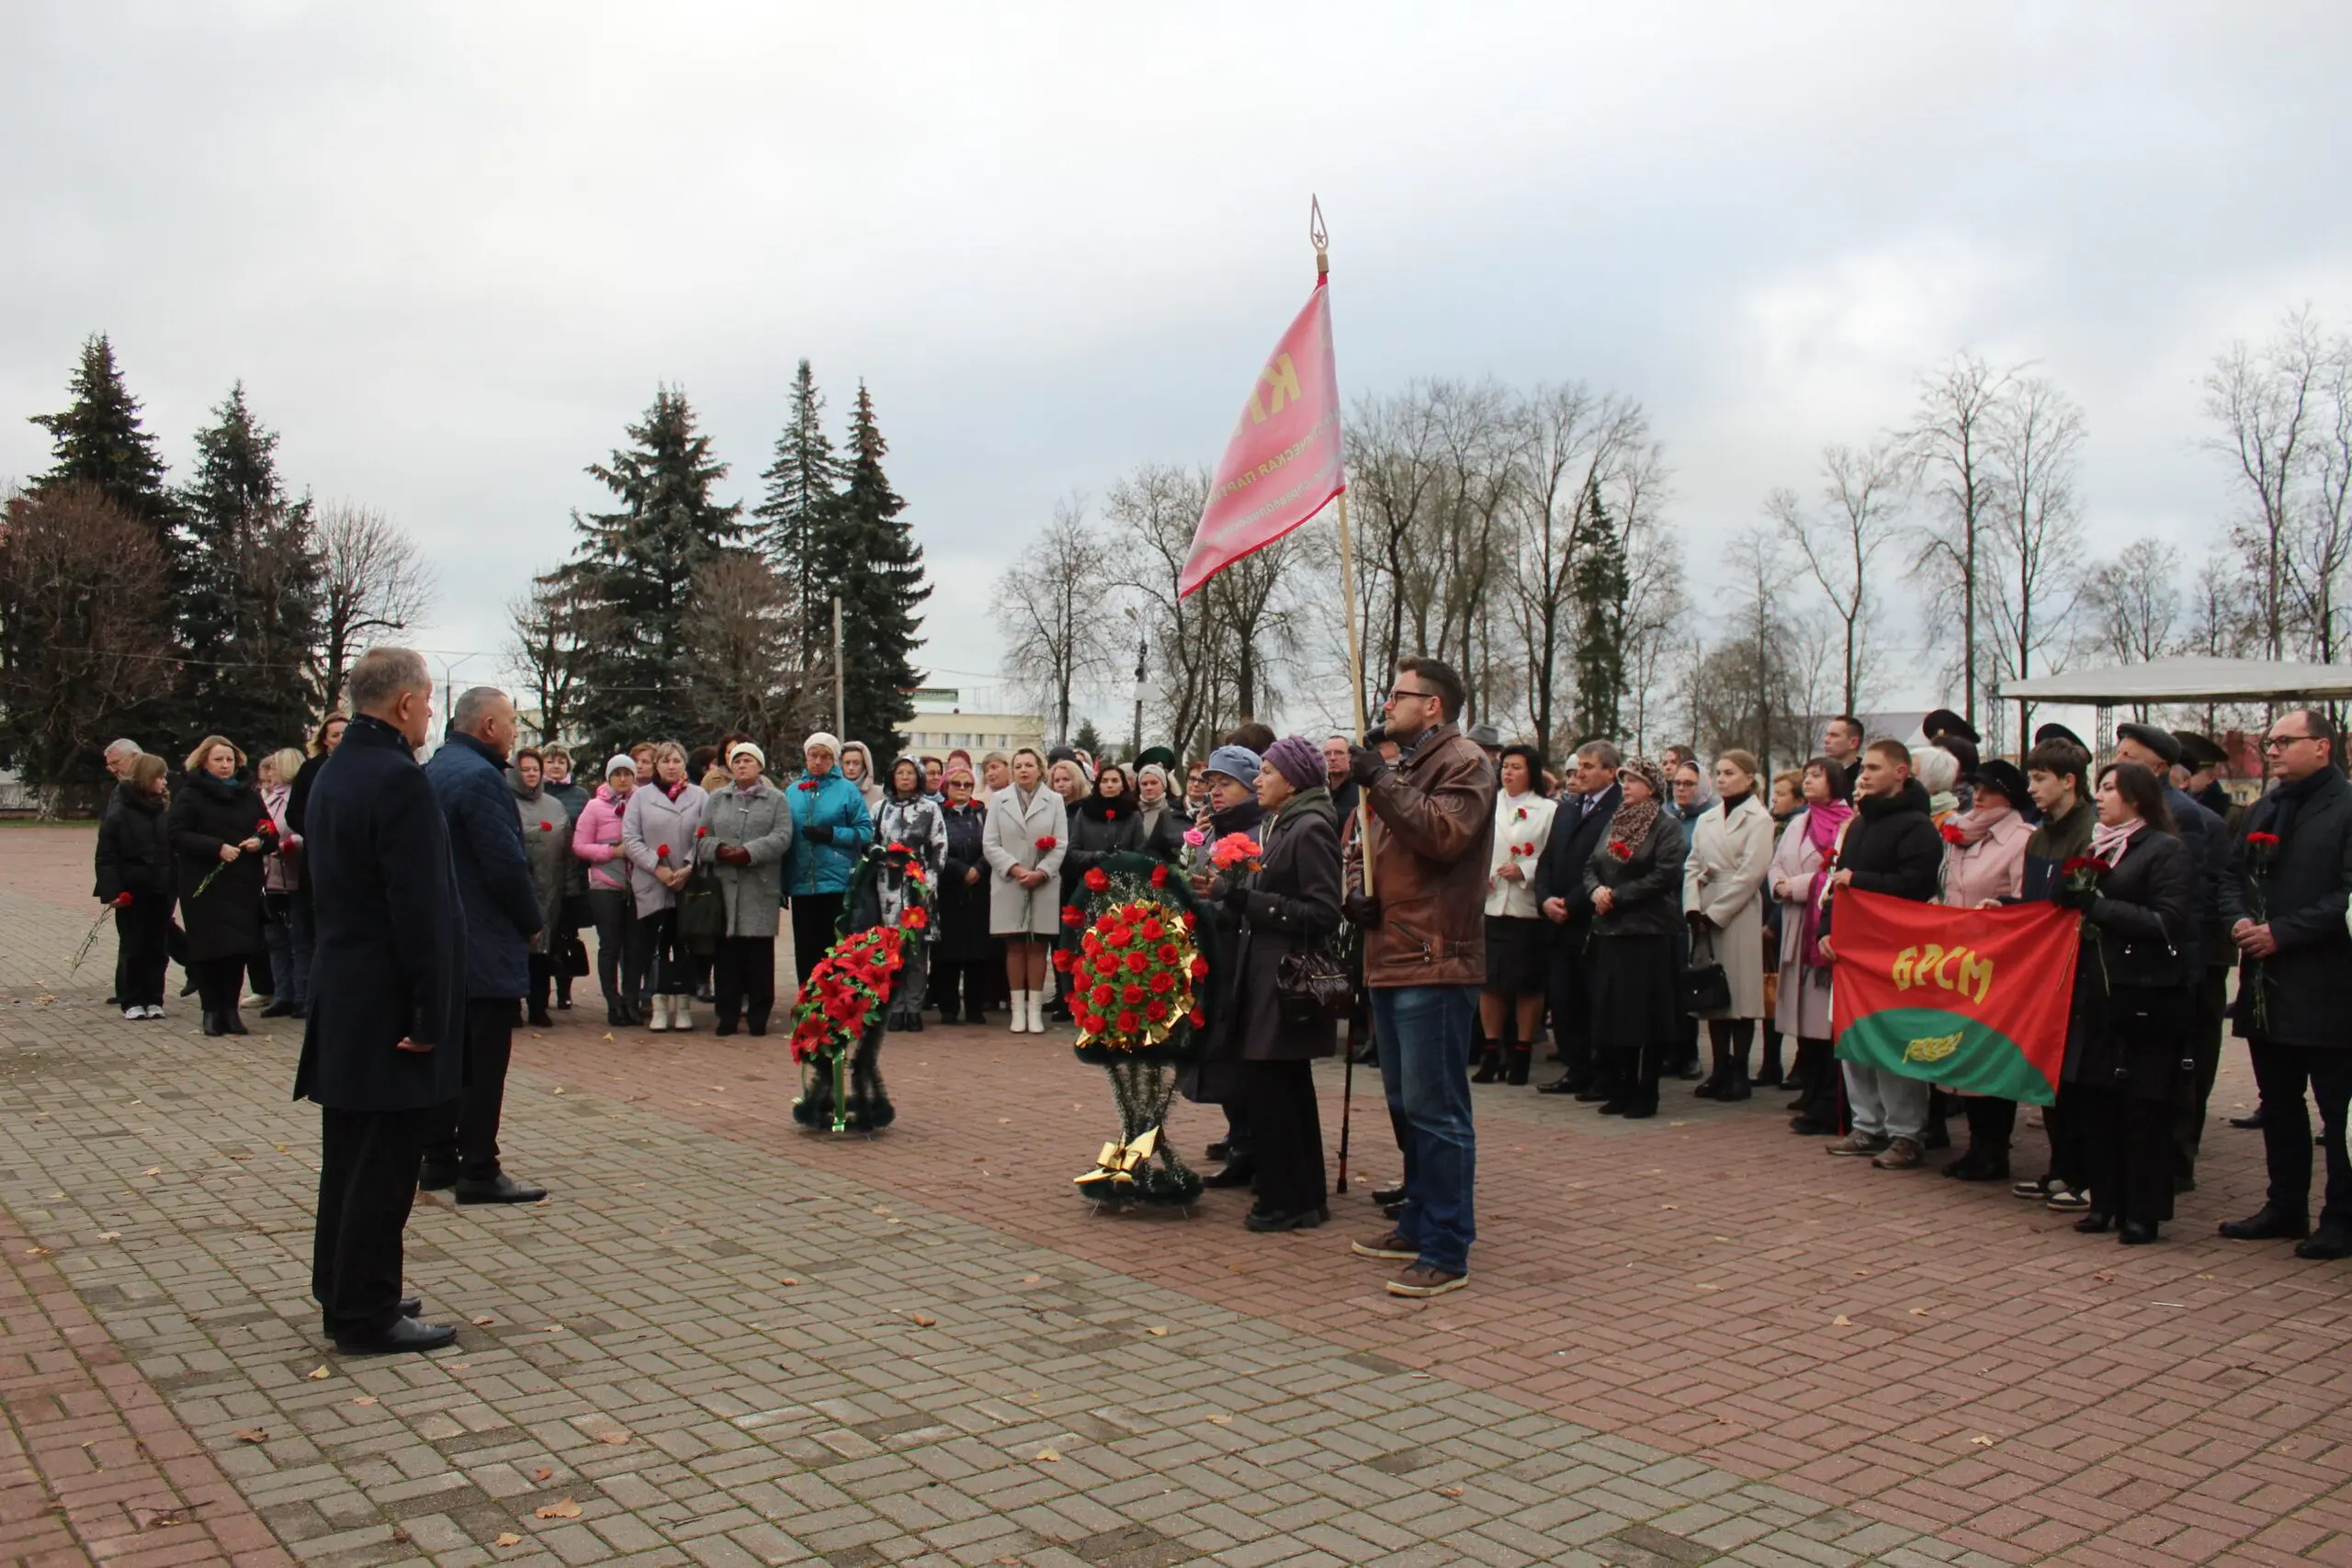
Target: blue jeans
(1425, 1071)
(278, 936)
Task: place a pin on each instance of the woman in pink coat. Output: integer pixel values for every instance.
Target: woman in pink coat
(1800, 867)
(596, 839)
(1985, 864)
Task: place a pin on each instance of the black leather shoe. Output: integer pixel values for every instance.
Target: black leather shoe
(405, 1334)
(758, 1027)
(1394, 1211)
(2136, 1233)
(1611, 1107)
(725, 1027)
(1567, 1083)
(1490, 1068)
(613, 1017)
(498, 1188)
(2328, 1241)
(437, 1178)
(1707, 1090)
(1389, 1194)
(410, 1306)
(280, 1009)
(233, 1023)
(2267, 1224)
(2096, 1223)
(212, 1025)
(1292, 1220)
(1238, 1173)
(1217, 1151)
(1591, 1096)
(539, 1018)
(2248, 1122)
(1812, 1127)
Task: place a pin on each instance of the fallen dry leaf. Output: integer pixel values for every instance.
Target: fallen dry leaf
(1048, 1456)
(1841, 1321)
(157, 1518)
(508, 1538)
(543, 1474)
(921, 1320)
(366, 1399)
(252, 1434)
(152, 1170)
(616, 1439)
(1918, 1311)
(315, 1374)
(787, 1280)
(558, 1088)
(1221, 1420)
(35, 1252)
(1158, 1331)
(1031, 1279)
(1449, 1491)
(563, 1508)
(1981, 1440)
(109, 1235)
(484, 1322)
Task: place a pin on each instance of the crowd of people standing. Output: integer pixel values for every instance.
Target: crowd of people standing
(1621, 910)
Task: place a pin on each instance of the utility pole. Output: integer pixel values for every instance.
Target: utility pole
(841, 677)
(1143, 652)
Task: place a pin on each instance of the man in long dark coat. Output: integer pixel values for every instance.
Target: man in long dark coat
(383, 1049)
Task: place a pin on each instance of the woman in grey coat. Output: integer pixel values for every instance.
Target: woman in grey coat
(748, 831)
(657, 836)
(546, 848)
(1025, 838)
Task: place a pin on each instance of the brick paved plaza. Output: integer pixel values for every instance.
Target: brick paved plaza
(726, 1340)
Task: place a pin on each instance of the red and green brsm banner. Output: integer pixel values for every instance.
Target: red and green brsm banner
(1973, 999)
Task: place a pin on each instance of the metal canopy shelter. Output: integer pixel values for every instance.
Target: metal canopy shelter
(2189, 679)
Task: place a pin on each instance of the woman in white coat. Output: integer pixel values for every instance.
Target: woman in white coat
(1519, 948)
(1723, 897)
(1800, 866)
(1027, 834)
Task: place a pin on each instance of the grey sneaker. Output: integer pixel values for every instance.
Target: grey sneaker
(1854, 1144)
(1902, 1153)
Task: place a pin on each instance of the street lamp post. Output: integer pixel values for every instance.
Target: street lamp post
(1143, 651)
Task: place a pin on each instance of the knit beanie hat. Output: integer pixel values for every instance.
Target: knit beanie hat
(1298, 760)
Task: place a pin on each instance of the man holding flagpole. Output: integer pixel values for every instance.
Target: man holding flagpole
(1425, 959)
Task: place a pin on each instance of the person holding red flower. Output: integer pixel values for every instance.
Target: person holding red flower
(220, 833)
(2285, 901)
(910, 819)
(746, 831)
(2057, 778)
(1634, 884)
(134, 863)
(547, 847)
(1511, 1008)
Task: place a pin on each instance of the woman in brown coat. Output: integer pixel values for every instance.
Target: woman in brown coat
(1290, 901)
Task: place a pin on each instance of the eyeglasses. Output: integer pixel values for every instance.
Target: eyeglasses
(2280, 742)
(1400, 693)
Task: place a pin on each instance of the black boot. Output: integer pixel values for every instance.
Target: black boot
(233, 1023)
(212, 1025)
(1490, 1067)
(1735, 1062)
(1522, 1060)
(1769, 1074)
(1718, 1073)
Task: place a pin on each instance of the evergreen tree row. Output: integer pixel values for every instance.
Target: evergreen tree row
(676, 616)
(233, 564)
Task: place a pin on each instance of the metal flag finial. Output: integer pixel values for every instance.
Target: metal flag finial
(1319, 236)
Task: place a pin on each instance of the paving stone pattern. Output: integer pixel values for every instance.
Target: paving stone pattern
(729, 1341)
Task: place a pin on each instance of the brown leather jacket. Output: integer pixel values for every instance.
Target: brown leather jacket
(1432, 826)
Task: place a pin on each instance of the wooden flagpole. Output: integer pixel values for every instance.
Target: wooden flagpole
(1322, 240)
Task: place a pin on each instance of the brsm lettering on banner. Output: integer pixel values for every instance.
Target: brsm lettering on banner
(1955, 969)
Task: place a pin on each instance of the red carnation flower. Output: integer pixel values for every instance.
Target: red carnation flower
(1197, 1017)
(2081, 864)
(2263, 840)
(547, 827)
(1045, 844)
(1169, 952)
(1159, 876)
(264, 826)
(1156, 1011)
(808, 784)
(1137, 963)
(1096, 881)
(1128, 1021)
(122, 900)
(1952, 835)
(662, 853)
(1072, 916)
(1200, 968)
(1132, 994)
(1620, 850)
(1162, 983)
(899, 849)
(702, 832)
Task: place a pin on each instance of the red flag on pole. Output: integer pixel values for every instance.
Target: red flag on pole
(1283, 464)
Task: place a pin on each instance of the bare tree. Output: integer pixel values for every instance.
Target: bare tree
(1863, 491)
(82, 590)
(2036, 528)
(2263, 402)
(743, 643)
(553, 629)
(1053, 604)
(2134, 602)
(371, 583)
(1949, 439)
(1154, 511)
(2219, 622)
(1748, 691)
(2322, 537)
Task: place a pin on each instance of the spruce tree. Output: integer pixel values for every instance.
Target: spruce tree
(247, 588)
(803, 487)
(1601, 583)
(100, 442)
(637, 564)
(868, 556)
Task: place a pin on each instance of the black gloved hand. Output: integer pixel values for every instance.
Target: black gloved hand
(1236, 899)
(1365, 765)
(1700, 922)
(817, 834)
(1362, 913)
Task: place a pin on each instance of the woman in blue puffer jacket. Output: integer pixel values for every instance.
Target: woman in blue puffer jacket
(831, 830)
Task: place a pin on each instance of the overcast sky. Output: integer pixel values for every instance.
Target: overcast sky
(453, 249)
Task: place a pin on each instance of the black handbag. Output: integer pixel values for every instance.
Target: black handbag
(1705, 988)
(1312, 986)
(702, 913)
(575, 958)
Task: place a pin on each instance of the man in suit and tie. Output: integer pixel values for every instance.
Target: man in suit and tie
(1559, 880)
(384, 1045)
